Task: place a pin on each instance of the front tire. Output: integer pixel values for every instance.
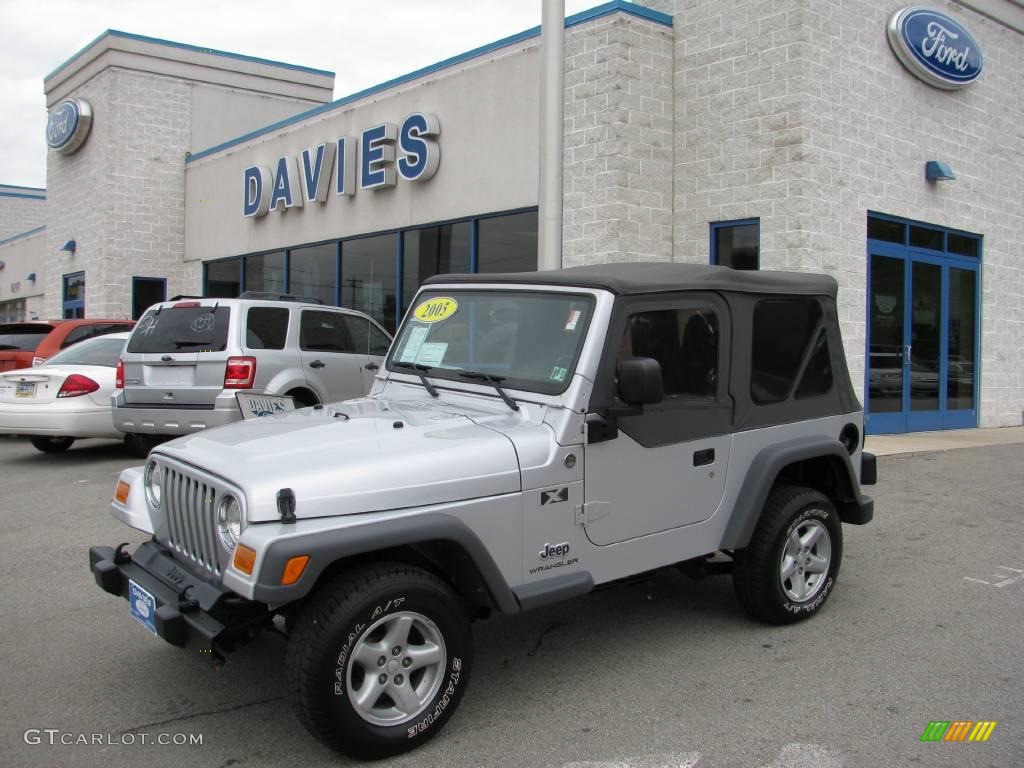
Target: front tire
(52, 444)
(790, 567)
(402, 616)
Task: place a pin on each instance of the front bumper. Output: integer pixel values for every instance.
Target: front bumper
(191, 612)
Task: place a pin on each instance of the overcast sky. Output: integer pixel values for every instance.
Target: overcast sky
(363, 43)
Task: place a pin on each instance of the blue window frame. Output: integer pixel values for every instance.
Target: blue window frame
(923, 326)
(507, 246)
(74, 295)
(736, 243)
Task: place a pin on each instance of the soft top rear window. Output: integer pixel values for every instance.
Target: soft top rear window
(181, 329)
(23, 336)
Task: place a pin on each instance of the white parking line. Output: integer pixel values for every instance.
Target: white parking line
(687, 760)
(1000, 580)
(806, 756)
(791, 756)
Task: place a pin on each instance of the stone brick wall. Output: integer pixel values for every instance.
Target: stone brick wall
(19, 214)
(618, 141)
(798, 113)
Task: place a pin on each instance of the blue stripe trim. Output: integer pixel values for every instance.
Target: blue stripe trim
(20, 235)
(193, 48)
(616, 6)
(23, 195)
(20, 188)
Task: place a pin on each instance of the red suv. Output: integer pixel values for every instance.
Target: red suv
(29, 343)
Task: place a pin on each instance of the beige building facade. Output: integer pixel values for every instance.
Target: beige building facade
(785, 134)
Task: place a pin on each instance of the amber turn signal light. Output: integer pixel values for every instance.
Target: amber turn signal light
(122, 491)
(245, 559)
(293, 569)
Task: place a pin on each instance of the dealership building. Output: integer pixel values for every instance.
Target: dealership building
(874, 142)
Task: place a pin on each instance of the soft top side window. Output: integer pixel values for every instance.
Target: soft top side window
(788, 343)
(685, 344)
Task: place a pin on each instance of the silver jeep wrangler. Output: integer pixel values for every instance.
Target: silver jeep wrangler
(531, 437)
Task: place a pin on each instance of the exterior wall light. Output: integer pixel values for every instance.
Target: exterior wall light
(70, 247)
(31, 277)
(936, 170)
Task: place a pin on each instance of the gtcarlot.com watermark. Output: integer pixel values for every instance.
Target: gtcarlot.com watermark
(55, 736)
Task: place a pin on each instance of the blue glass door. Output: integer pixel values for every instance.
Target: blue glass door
(922, 340)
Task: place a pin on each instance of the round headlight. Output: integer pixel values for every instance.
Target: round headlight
(229, 521)
(153, 480)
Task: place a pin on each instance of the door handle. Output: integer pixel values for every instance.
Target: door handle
(704, 457)
(371, 366)
(317, 364)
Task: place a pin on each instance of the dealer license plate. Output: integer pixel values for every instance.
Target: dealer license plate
(25, 389)
(254, 406)
(143, 606)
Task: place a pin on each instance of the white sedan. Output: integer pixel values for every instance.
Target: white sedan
(67, 397)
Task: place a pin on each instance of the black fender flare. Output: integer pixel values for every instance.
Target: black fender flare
(327, 547)
(765, 468)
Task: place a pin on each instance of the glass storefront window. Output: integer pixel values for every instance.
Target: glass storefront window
(889, 231)
(960, 367)
(313, 272)
(265, 272)
(368, 277)
(224, 278)
(507, 243)
(736, 244)
(433, 251)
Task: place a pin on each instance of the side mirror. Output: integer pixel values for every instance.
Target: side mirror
(640, 381)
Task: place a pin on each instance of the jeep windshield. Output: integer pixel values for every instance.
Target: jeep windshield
(187, 328)
(525, 340)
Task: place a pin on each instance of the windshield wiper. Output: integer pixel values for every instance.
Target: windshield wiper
(495, 381)
(421, 370)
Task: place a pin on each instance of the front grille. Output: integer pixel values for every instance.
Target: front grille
(190, 509)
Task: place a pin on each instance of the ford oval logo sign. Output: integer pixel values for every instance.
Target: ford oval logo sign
(68, 125)
(934, 47)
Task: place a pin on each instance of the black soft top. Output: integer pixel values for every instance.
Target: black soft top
(661, 277)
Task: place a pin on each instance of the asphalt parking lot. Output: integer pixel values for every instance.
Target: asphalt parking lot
(927, 623)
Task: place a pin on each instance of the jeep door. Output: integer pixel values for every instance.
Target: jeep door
(332, 368)
(666, 467)
(370, 343)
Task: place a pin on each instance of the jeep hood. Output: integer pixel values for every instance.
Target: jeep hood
(385, 455)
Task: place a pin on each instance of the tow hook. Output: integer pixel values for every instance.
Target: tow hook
(187, 604)
(120, 556)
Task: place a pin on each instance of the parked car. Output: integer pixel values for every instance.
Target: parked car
(535, 435)
(25, 344)
(66, 398)
(188, 361)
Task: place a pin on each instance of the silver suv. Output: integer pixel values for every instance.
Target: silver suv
(188, 359)
(531, 438)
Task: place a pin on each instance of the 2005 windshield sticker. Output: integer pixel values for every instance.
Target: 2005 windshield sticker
(436, 309)
(559, 373)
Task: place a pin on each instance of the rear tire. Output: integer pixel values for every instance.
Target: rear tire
(790, 567)
(392, 623)
(52, 444)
